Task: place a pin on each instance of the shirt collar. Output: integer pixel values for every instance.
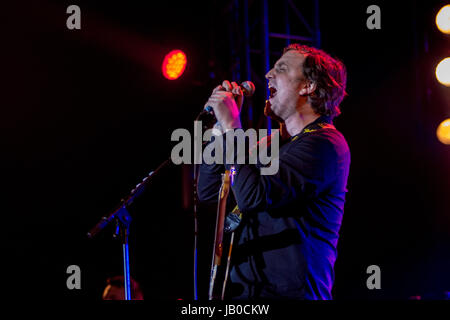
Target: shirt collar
(319, 123)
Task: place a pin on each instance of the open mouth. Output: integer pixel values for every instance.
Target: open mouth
(273, 92)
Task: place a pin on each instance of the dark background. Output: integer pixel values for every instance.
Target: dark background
(86, 114)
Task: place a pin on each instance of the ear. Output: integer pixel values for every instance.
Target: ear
(308, 88)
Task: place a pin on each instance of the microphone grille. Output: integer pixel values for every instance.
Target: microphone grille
(248, 88)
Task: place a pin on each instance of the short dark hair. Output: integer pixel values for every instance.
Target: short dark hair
(330, 76)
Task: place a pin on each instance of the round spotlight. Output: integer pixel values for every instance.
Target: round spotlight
(443, 72)
(443, 132)
(174, 64)
(443, 19)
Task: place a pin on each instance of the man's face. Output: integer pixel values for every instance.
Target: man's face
(285, 80)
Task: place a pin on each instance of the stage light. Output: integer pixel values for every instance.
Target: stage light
(174, 64)
(443, 132)
(443, 72)
(443, 19)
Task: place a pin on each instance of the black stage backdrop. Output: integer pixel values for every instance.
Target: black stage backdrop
(87, 113)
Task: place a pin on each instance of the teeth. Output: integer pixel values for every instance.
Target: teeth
(272, 91)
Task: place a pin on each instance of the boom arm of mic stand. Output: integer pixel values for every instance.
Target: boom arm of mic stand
(123, 218)
(118, 212)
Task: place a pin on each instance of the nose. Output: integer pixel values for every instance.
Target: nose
(269, 75)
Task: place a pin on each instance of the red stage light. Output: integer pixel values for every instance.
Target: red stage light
(174, 64)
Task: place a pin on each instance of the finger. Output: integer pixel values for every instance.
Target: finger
(236, 89)
(218, 88)
(222, 94)
(214, 100)
(227, 85)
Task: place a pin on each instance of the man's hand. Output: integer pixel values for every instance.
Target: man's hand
(226, 101)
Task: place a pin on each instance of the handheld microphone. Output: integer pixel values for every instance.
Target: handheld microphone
(248, 89)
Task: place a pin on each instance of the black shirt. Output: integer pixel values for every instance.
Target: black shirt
(285, 245)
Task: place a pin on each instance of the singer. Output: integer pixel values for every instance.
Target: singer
(286, 242)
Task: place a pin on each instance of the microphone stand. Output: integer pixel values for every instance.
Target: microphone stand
(123, 220)
(123, 217)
